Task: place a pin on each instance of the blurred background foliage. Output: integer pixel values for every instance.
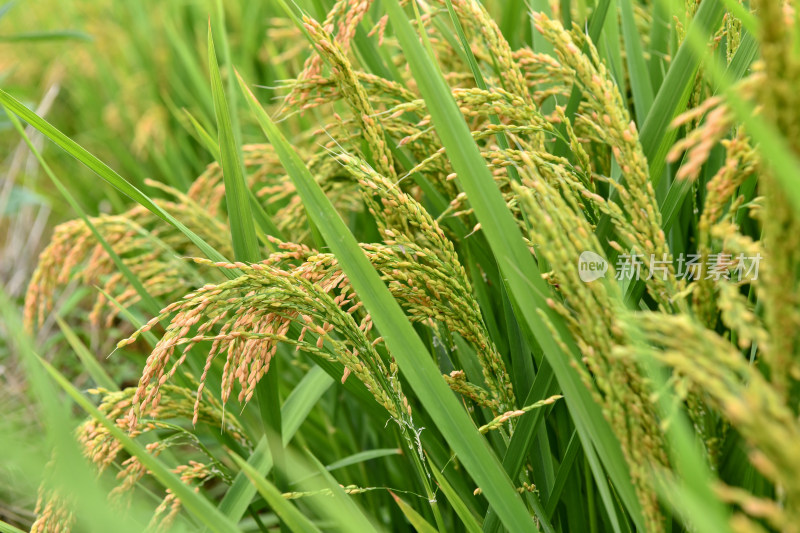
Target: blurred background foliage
(126, 80)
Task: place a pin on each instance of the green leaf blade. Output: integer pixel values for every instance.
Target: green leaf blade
(243, 233)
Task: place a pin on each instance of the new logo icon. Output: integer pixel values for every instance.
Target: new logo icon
(591, 266)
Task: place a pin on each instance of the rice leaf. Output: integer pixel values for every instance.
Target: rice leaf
(414, 518)
(302, 399)
(98, 373)
(238, 497)
(290, 516)
(34, 36)
(659, 43)
(360, 457)
(243, 234)
(468, 519)
(203, 136)
(637, 67)
(567, 462)
(293, 412)
(333, 503)
(8, 528)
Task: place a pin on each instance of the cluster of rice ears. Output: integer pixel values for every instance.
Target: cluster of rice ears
(589, 152)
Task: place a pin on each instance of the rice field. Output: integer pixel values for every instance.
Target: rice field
(400, 265)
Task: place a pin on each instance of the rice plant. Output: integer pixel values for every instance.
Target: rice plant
(466, 267)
